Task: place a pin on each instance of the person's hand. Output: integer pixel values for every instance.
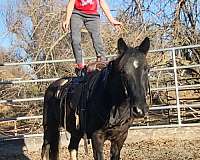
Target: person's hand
(65, 25)
(117, 24)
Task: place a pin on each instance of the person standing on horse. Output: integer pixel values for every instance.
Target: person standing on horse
(85, 12)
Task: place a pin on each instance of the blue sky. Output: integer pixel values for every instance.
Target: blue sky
(5, 37)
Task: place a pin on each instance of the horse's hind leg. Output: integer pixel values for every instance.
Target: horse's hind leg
(50, 147)
(73, 146)
(54, 147)
(116, 146)
(46, 146)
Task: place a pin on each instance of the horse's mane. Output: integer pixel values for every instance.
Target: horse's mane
(98, 79)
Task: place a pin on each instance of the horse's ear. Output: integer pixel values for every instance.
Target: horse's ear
(122, 47)
(145, 45)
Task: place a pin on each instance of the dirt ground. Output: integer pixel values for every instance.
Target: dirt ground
(143, 144)
(160, 149)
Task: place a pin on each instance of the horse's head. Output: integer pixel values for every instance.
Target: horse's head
(133, 68)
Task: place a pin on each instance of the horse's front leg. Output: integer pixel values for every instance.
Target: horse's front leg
(97, 145)
(116, 146)
(73, 146)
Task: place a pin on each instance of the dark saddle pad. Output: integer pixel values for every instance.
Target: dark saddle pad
(79, 89)
(75, 92)
(71, 91)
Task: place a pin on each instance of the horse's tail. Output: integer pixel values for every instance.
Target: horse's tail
(51, 123)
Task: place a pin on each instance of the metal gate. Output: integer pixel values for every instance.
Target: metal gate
(172, 68)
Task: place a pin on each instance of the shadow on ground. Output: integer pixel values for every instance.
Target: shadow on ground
(13, 149)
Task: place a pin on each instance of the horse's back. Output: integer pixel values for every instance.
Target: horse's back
(55, 87)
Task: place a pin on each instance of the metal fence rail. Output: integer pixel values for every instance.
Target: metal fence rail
(152, 89)
(154, 107)
(176, 87)
(27, 81)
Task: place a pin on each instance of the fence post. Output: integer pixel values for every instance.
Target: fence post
(176, 85)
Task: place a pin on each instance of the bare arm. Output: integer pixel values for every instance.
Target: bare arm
(69, 10)
(106, 11)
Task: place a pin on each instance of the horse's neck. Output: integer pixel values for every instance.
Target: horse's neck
(120, 109)
(120, 114)
(115, 89)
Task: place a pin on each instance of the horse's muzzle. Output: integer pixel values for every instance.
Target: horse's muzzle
(139, 111)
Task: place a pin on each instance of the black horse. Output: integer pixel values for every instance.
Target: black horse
(102, 107)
